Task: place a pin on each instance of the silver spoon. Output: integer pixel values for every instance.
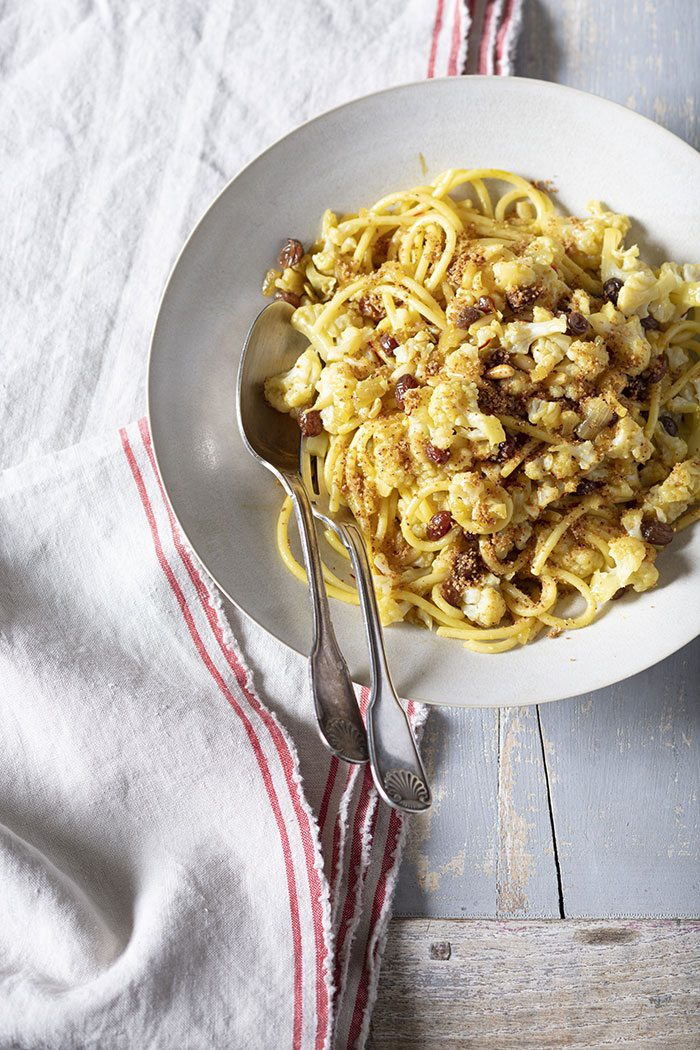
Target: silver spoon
(274, 439)
(396, 765)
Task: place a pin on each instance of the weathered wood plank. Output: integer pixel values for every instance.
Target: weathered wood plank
(447, 985)
(624, 764)
(641, 53)
(486, 848)
(451, 857)
(526, 882)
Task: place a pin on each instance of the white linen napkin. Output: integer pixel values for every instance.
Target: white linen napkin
(182, 863)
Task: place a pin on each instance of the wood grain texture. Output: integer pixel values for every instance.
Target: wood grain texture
(640, 53)
(539, 985)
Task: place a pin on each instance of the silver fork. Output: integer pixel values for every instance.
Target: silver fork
(396, 765)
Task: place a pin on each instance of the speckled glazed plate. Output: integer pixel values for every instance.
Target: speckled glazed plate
(227, 504)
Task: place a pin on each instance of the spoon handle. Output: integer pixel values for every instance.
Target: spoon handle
(396, 765)
(338, 715)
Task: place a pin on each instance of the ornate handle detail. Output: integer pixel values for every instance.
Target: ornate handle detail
(407, 790)
(346, 739)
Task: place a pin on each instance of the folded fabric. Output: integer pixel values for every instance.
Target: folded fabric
(175, 870)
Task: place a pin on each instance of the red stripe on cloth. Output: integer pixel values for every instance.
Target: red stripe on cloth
(436, 33)
(355, 874)
(485, 49)
(501, 35)
(286, 759)
(250, 732)
(349, 785)
(323, 812)
(388, 862)
(452, 70)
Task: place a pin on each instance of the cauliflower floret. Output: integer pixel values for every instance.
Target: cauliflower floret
(673, 293)
(628, 440)
(632, 568)
(322, 284)
(631, 522)
(478, 504)
(588, 358)
(390, 611)
(546, 412)
(413, 355)
(518, 336)
(393, 468)
(349, 343)
(484, 605)
(673, 449)
(513, 273)
(626, 336)
(637, 291)
(296, 387)
(336, 388)
(451, 404)
(673, 496)
(576, 558)
(324, 261)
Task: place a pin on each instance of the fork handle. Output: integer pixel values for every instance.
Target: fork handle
(337, 714)
(396, 765)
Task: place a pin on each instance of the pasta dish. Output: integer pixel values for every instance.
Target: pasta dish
(506, 398)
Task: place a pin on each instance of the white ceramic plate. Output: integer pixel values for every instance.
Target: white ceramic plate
(227, 504)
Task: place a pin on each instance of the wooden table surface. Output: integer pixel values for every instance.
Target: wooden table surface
(585, 809)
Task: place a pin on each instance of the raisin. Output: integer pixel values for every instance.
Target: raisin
(439, 525)
(291, 253)
(467, 317)
(403, 384)
(636, 388)
(618, 594)
(506, 449)
(611, 289)
(521, 297)
(576, 324)
(388, 343)
(486, 305)
(451, 593)
(289, 297)
(650, 324)
(437, 455)
(657, 532)
(369, 309)
(310, 422)
(669, 424)
(656, 372)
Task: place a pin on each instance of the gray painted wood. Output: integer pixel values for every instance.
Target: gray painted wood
(451, 859)
(625, 771)
(623, 763)
(447, 985)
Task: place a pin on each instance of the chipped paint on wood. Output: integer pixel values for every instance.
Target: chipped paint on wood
(526, 882)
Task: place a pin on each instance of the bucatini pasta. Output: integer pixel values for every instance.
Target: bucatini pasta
(507, 399)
